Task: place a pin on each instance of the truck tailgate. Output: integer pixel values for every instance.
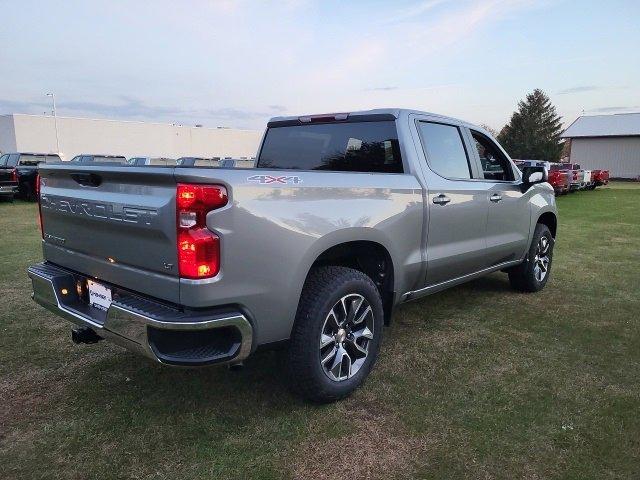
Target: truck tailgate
(115, 223)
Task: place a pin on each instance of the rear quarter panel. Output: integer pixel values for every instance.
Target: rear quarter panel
(271, 234)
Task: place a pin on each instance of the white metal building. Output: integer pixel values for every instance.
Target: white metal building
(609, 142)
(37, 133)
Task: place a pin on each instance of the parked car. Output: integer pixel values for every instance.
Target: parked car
(237, 163)
(22, 168)
(92, 158)
(577, 179)
(587, 180)
(600, 177)
(559, 180)
(198, 162)
(344, 217)
(151, 161)
(8, 179)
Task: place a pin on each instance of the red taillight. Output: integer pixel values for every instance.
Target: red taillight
(198, 247)
(14, 175)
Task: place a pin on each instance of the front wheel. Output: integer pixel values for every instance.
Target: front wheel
(532, 275)
(336, 334)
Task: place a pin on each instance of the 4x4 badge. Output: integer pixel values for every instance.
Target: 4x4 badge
(266, 179)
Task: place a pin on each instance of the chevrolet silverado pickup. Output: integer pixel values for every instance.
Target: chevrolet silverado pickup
(22, 168)
(8, 179)
(344, 217)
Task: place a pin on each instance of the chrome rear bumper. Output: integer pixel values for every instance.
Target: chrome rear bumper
(145, 326)
(8, 189)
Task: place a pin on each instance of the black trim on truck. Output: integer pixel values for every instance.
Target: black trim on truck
(374, 117)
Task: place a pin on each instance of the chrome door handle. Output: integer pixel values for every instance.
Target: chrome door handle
(495, 198)
(441, 199)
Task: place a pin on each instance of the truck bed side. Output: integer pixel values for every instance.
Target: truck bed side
(123, 231)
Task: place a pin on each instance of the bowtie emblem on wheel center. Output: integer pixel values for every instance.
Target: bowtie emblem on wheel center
(341, 335)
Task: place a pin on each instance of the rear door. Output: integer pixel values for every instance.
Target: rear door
(508, 220)
(7, 166)
(457, 208)
(117, 224)
(5, 173)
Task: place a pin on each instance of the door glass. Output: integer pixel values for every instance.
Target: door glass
(495, 165)
(13, 160)
(445, 151)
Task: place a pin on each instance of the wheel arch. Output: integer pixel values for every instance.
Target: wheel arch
(369, 256)
(549, 219)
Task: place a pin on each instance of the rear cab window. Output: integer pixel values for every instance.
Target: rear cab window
(31, 160)
(365, 146)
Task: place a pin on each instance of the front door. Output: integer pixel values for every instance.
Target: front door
(509, 219)
(457, 209)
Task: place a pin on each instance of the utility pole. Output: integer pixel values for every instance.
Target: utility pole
(55, 120)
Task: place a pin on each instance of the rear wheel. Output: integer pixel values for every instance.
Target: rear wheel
(336, 335)
(532, 275)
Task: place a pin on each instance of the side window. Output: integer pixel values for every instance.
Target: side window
(445, 150)
(3, 160)
(495, 165)
(12, 161)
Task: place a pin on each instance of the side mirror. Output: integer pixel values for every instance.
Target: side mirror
(533, 175)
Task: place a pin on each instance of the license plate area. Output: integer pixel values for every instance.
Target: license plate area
(99, 295)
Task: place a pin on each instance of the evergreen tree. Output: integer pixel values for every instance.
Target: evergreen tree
(533, 133)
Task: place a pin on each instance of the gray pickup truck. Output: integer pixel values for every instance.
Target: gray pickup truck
(344, 217)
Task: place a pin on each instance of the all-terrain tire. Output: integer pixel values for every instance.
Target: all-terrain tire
(526, 276)
(324, 288)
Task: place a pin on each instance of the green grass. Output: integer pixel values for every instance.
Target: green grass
(474, 382)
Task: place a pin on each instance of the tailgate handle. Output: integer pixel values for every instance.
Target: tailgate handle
(87, 179)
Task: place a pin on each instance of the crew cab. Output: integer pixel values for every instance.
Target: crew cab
(344, 217)
(18, 173)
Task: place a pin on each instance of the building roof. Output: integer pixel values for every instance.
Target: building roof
(617, 125)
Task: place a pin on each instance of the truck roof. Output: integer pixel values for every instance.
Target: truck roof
(395, 112)
(29, 153)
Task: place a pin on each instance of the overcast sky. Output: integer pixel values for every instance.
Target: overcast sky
(237, 63)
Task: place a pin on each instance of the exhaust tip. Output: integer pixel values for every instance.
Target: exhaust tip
(84, 335)
(236, 367)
